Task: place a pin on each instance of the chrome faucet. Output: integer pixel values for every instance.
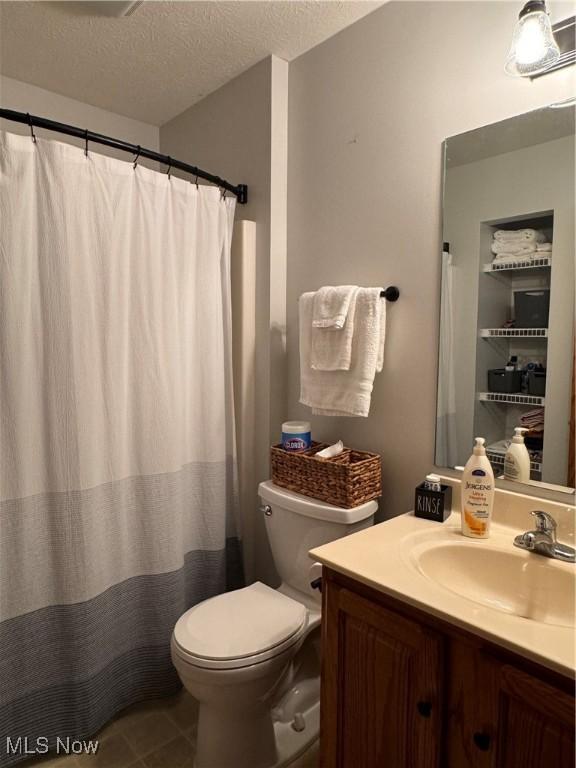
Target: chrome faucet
(543, 540)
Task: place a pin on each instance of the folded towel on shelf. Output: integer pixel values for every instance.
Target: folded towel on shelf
(344, 392)
(544, 246)
(513, 258)
(332, 346)
(533, 420)
(515, 235)
(331, 305)
(512, 247)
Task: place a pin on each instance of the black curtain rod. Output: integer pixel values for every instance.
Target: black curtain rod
(240, 190)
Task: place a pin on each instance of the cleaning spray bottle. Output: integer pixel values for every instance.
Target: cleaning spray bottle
(477, 492)
(517, 459)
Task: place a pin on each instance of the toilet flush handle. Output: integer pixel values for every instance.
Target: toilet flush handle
(266, 509)
(315, 576)
(299, 724)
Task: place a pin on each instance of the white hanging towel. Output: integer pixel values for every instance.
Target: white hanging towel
(332, 345)
(331, 305)
(348, 392)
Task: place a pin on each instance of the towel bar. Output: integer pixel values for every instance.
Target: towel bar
(390, 294)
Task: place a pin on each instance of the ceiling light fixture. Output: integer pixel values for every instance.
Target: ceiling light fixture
(535, 48)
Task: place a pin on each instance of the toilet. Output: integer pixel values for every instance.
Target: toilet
(251, 657)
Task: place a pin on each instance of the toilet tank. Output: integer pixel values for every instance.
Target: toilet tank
(295, 524)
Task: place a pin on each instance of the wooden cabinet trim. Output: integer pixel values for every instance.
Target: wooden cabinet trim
(517, 684)
(498, 653)
(380, 617)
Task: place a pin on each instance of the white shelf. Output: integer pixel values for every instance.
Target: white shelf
(510, 399)
(495, 457)
(514, 333)
(519, 264)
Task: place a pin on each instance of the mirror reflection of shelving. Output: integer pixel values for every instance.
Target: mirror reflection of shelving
(510, 175)
(513, 331)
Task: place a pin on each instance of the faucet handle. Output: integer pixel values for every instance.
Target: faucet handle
(545, 523)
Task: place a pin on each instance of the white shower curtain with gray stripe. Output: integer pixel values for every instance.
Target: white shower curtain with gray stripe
(118, 480)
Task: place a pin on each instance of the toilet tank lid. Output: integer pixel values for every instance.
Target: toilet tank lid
(304, 505)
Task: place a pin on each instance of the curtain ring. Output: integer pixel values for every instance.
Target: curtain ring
(196, 182)
(139, 148)
(32, 136)
(169, 167)
(223, 193)
(86, 142)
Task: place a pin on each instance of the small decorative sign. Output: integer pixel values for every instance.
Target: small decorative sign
(433, 505)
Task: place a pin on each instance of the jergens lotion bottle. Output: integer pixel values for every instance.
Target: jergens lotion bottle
(477, 493)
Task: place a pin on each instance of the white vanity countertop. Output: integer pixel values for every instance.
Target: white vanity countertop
(385, 557)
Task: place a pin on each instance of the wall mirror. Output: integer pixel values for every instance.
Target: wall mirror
(506, 354)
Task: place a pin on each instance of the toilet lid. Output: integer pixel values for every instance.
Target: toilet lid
(238, 624)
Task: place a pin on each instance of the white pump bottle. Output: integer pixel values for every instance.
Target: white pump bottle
(517, 459)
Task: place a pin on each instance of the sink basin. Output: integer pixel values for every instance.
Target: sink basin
(526, 585)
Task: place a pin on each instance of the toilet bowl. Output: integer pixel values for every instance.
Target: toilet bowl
(251, 657)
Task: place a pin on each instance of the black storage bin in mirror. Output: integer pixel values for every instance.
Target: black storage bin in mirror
(534, 442)
(501, 380)
(536, 383)
(531, 308)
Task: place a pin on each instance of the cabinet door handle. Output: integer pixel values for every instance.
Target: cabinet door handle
(482, 741)
(424, 708)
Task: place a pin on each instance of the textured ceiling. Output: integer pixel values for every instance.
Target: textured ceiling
(156, 63)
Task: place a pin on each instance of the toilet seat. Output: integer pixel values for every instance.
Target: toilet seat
(240, 628)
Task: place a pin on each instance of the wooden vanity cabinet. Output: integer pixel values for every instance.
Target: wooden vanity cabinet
(381, 686)
(401, 689)
(501, 716)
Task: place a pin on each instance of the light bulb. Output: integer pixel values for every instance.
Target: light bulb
(533, 48)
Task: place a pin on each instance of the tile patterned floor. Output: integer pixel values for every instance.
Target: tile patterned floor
(157, 734)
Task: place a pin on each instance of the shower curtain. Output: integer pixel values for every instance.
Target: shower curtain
(446, 435)
(118, 488)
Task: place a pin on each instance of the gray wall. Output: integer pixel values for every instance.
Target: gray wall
(240, 133)
(368, 112)
(23, 97)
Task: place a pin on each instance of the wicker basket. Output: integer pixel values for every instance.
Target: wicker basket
(348, 480)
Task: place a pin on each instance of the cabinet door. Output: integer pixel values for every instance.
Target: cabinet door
(502, 717)
(381, 678)
(535, 723)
